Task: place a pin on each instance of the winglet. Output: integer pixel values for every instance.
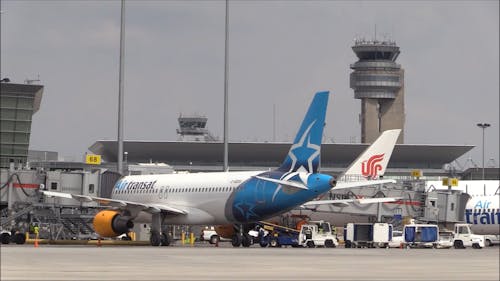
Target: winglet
(306, 148)
(372, 163)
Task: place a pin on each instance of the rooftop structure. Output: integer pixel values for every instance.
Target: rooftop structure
(192, 128)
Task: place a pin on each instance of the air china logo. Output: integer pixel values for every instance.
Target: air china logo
(371, 167)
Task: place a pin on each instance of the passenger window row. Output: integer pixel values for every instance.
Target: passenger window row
(175, 190)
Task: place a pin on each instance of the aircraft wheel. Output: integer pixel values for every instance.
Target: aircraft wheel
(155, 238)
(236, 240)
(246, 240)
(19, 238)
(5, 238)
(165, 239)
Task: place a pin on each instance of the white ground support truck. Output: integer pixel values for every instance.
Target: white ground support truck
(463, 237)
(357, 235)
(317, 234)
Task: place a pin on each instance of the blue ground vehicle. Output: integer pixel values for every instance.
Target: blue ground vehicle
(421, 235)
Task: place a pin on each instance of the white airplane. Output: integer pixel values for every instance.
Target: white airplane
(483, 213)
(237, 198)
(370, 165)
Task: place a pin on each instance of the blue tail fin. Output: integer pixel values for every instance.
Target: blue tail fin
(305, 151)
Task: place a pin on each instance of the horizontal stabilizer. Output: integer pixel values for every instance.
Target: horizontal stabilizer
(344, 185)
(345, 202)
(283, 182)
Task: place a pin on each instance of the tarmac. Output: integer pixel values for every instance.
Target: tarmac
(204, 262)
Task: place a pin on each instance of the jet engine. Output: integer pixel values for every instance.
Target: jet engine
(110, 223)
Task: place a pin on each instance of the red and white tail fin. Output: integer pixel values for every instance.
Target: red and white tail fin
(372, 163)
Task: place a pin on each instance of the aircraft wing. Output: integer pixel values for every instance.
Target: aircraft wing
(345, 202)
(347, 184)
(122, 204)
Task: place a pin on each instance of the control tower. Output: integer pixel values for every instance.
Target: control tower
(192, 128)
(379, 82)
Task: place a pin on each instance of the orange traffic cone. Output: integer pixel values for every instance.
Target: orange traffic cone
(99, 242)
(36, 241)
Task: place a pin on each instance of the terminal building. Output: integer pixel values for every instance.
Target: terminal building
(18, 104)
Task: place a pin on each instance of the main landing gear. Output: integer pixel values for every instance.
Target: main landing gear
(241, 237)
(158, 237)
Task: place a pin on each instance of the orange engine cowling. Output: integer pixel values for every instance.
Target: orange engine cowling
(225, 230)
(110, 223)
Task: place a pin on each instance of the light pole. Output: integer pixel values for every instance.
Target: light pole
(120, 90)
(483, 126)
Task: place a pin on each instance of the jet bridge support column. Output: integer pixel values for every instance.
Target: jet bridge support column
(379, 207)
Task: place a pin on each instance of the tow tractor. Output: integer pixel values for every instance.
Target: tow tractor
(317, 234)
(463, 237)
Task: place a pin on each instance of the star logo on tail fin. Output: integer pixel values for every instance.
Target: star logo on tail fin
(304, 153)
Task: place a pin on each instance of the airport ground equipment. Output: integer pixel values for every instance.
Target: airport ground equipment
(209, 234)
(490, 240)
(397, 239)
(357, 235)
(274, 235)
(421, 235)
(311, 234)
(317, 234)
(463, 237)
(445, 240)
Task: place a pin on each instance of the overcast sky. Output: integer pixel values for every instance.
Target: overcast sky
(280, 53)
